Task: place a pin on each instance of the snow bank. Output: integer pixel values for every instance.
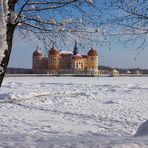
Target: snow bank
(143, 129)
(3, 20)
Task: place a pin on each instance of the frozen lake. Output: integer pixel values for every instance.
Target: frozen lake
(73, 111)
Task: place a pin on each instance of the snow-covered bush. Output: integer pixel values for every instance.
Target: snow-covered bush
(143, 129)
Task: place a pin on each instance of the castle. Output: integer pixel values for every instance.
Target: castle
(65, 62)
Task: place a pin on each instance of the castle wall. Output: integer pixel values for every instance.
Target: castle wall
(92, 62)
(40, 64)
(65, 62)
(36, 63)
(53, 64)
(77, 66)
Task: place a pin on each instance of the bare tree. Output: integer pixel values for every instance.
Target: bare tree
(128, 20)
(47, 20)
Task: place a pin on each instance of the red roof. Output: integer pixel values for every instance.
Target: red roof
(84, 56)
(92, 52)
(53, 51)
(37, 53)
(77, 57)
(65, 55)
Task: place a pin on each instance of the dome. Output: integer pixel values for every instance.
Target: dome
(92, 52)
(37, 53)
(77, 56)
(53, 51)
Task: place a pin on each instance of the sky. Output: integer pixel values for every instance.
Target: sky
(117, 57)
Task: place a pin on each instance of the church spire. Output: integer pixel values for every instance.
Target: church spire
(75, 51)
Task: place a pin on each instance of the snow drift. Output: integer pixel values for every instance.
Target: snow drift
(142, 130)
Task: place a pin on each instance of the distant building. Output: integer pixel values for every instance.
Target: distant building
(115, 73)
(65, 62)
(138, 72)
(128, 72)
(105, 72)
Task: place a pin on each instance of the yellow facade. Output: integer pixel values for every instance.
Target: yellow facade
(92, 62)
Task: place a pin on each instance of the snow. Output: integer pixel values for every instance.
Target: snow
(90, 1)
(78, 112)
(13, 17)
(115, 70)
(65, 52)
(3, 19)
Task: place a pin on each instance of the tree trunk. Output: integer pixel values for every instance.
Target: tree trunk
(9, 39)
(4, 64)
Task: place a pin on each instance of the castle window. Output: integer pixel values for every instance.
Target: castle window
(76, 64)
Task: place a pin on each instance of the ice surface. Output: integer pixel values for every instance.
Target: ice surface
(73, 112)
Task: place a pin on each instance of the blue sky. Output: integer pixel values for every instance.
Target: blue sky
(119, 57)
(21, 55)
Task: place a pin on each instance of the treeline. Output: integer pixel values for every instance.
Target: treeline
(19, 71)
(29, 71)
(132, 70)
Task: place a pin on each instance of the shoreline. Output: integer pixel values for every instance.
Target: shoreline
(73, 75)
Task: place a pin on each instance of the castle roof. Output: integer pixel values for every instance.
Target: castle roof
(92, 52)
(75, 51)
(115, 71)
(37, 52)
(77, 57)
(65, 52)
(84, 56)
(53, 51)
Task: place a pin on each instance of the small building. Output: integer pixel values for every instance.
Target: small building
(115, 73)
(128, 72)
(104, 72)
(138, 72)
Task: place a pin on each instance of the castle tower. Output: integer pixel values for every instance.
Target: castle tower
(53, 61)
(75, 51)
(36, 61)
(92, 60)
(77, 64)
(77, 61)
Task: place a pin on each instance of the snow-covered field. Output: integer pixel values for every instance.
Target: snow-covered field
(73, 112)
